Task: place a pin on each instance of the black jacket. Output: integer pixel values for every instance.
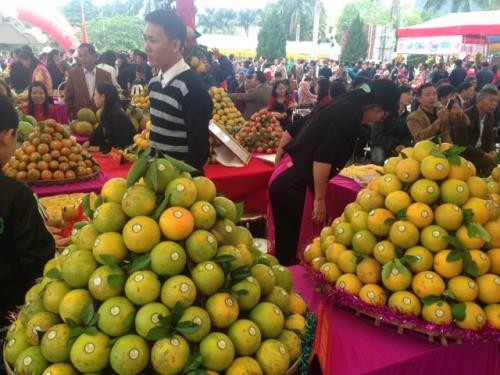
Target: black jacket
(25, 243)
(468, 136)
(457, 76)
(114, 131)
(56, 74)
(20, 77)
(484, 76)
(391, 133)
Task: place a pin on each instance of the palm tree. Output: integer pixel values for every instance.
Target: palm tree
(208, 20)
(297, 11)
(249, 17)
(317, 11)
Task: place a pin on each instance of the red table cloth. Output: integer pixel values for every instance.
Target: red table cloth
(247, 184)
(90, 186)
(61, 113)
(350, 345)
(340, 192)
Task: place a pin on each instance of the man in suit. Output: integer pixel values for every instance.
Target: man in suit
(256, 97)
(458, 74)
(82, 81)
(478, 136)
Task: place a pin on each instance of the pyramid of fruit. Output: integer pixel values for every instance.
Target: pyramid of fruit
(141, 100)
(49, 154)
(85, 122)
(421, 244)
(261, 134)
(160, 280)
(225, 113)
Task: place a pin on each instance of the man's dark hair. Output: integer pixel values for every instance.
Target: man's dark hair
(261, 77)
(445, 90)
(458, 62)
(485, 64)
(337, 88)
(278, 75)
(464, 86)
(89, 47)
(470, 79)
(403, 89)
(173, 26)
(8, 114)
(423, 87)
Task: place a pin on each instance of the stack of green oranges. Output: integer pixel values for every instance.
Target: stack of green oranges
(160, 280)
(422, 239)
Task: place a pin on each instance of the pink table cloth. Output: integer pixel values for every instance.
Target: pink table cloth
(340, 192)
(62, 113)
(350, 345)
(90, 186)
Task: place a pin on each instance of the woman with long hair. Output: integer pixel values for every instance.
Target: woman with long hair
(107, 62)
(115, 128)
(320, 150)
(124, 69)
(56, 73)
(323, 91)
(281, 103)
(37, 70)
(39, 102)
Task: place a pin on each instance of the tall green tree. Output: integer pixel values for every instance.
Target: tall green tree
(207, 20)
(248, 18)
(121, 8)
(296, 12)
(72, 11)
(356, 46)
(272, 35)
(118, 33)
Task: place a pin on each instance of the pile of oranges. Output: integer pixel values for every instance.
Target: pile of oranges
(422, 239)
(50, 154)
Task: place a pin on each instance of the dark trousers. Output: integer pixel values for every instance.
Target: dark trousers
(287, 194)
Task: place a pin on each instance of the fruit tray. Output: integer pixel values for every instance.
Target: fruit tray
(65, 180)
(385, 315)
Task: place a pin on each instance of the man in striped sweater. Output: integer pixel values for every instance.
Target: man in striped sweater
(181, 107)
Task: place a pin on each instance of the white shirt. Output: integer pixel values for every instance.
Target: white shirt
(481, 129)
(110, 70)
(168, 76)
(90, 80)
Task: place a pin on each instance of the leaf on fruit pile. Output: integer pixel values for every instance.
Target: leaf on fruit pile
(176, 313)
(468, 214)
(387, 269)
(99, 201)
(115, 281)
(157, 333)
(54, 273)
(187, 327)
(240, 274)
(389, 221)
(110, 261)
(458, 311)
(86, 206)
(430, 300)
(88, 314)
(470, 266)
(193, 364)
(140, 263)
(161, 207)
(409, 259)
(448, 294)
(179, 165)
(403, 155)
(454, 255)
(477, 230)
(438, 153)
(401, 215)
(240, 210)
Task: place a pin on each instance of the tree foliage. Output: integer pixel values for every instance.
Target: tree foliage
(356, 46)
(118, 33)
(272, 35)
(72, 11)
(226, 21)
(461, 5)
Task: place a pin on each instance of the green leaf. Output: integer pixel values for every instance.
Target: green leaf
(99, 201)
(157, 333)
(76, 331)
(454, 255)
(430, 300)
(221, 211)
(224, 259)
(455, 151)
(79, 225)
(154, 175)
(54, 273)
(403, 155)
(94, 320)
(86, 206)
(110, 261)
(239, 293)
(240, 210)
(438, 153)
(90, 330)
(71, 323)
(470, 266)
(264, 261)
(116, 281)
(468, 214)
(87, 314)
(387, 269)
(240, 274)
(399, 266)
(176, 313)
(161, 207)
(389, 221)
(409, 259)
(179, 165)
(449, 294)
(193, 363)
(187, 327)
(166, 321)
(458, 311)
(140, 263)
(401, 214)
(481, 232)
(454, 242)
(454, 160)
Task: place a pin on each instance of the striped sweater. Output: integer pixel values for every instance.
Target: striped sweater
(180, 113)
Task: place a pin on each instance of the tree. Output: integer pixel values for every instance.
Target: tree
(72, 11)
(356, 46)
(121, 8)
(118, 33)
(272, 35)
(207, 21)
(296, 12)
(249, 17)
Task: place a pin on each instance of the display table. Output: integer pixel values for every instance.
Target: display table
(247, 184)
(94, 185)
(350, 345)
(340, 192)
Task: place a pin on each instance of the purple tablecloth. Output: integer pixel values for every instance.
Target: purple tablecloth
(350, 345)
(62, 113)
(94, 185)
(340, 192)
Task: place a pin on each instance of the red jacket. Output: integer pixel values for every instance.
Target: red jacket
(39, 115)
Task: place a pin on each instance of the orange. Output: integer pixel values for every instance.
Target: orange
(391, 163)
(446, 268)
(454, 191)
(493, 228)
(404, 234)
(141, 234)
(481, 214)
(478, 187)
(176, 223)
(397, 200)
(377, 221)
(435, 168)
(425, 191)
(388, 184)
(408, 170)
(369, 200)
(468, 242)
(423, 149)
(420, 214)
(463, 171)
(449, 216)
(434, 238)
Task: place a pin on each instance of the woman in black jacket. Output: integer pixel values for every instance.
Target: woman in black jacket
(318, 153)
(115, 128)
(56, 73)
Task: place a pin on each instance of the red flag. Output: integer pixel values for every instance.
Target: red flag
(85, 38)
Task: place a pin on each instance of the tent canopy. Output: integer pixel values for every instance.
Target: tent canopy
(469, 23)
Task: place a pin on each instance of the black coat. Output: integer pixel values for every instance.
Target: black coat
(457, 76)
(25, 243)
(468, 136)
(115, 131)
(20, 77)
(391, 133)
